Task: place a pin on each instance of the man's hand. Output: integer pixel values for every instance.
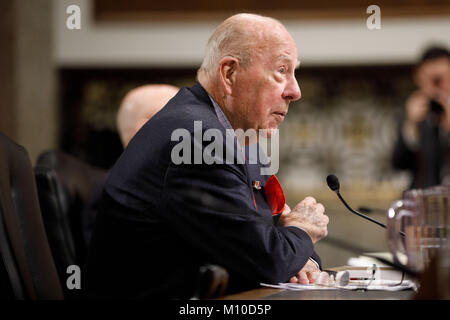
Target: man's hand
(308, 274)
(309, 216)
(417, 107)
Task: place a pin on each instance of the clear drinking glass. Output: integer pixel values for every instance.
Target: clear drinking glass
(423, 216)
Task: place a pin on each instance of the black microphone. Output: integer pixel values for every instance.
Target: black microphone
(333, 183)
(370, 210)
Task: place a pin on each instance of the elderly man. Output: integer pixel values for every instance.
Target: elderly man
(162, 219)
(139, 105)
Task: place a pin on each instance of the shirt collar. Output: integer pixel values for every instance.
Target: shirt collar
(222, 117)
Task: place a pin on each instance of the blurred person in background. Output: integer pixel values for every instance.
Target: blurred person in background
(137, 107)
(423, 144)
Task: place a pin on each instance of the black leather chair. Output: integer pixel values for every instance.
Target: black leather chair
(66, 186)
(27, 269)
(212, 282)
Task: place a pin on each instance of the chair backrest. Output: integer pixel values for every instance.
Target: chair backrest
(27, 262)
(55, 202)
(66, 186)
(212, 282)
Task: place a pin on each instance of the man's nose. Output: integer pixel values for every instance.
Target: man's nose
(292, 91)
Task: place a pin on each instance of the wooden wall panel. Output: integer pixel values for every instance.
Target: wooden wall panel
(138, 10)
(7, 77)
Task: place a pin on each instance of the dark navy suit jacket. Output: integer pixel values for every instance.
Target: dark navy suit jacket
(429, 164)
(159, 222)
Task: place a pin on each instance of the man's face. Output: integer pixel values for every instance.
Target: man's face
(433, 77)
(262, 91)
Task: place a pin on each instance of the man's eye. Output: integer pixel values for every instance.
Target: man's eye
(282, 70)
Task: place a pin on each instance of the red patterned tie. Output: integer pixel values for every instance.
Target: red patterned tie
(274, 195)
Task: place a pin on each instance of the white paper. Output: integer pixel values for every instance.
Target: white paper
(384, 285)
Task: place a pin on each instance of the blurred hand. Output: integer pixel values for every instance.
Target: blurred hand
(308, 274)
(307, 215)
(417, 107)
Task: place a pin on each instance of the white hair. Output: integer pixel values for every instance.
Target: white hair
(235, 37)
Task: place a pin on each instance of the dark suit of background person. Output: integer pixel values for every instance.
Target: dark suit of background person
(429, 160)
(425, 152)
(160, 221)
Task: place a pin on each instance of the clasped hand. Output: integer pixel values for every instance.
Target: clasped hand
(307, 215)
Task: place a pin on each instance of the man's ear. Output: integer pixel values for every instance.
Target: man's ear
(227, 73)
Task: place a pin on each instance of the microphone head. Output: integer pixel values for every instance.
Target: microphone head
(333, 182)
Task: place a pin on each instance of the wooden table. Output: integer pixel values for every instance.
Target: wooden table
(281, 294)
(265, 293)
